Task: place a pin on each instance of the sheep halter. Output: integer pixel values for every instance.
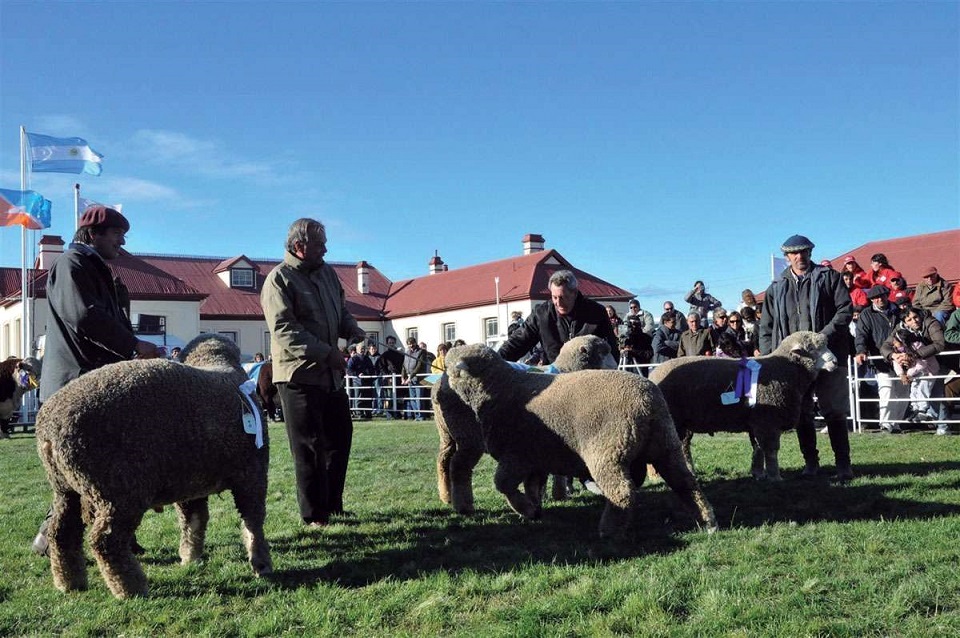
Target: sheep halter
(252, 422)
(748, 375)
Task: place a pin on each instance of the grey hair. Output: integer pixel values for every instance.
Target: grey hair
(564, 278)
(694, 315)
(300, 232)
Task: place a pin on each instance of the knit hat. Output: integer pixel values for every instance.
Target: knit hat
(99, 215)
(796, 243)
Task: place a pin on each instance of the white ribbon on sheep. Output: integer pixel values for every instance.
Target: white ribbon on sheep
(252, 422)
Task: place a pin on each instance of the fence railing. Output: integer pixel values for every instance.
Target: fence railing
(387, 396)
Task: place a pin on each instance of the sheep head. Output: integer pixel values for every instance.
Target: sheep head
(586, 352)
(27, 374)
(810, 350)
(211, 351)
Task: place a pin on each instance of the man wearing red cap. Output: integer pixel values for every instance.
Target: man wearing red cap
(87, 329)
(933, 294)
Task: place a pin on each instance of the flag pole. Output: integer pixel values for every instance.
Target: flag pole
(76, 207)
(24, 312)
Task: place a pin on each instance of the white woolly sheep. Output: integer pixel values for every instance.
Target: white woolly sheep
(461, 444)
(693, 385)
(141, 434)
(603, 424)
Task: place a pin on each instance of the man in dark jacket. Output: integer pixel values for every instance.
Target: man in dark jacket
(813, 297)
(87, 327)
(666, 340)
(876, 323)
(569, 314)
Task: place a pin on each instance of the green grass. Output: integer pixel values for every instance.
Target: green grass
(799, 558)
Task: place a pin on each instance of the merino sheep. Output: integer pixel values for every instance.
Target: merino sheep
(693, 385)
(461, 444)
(140, 434)
(603, 424)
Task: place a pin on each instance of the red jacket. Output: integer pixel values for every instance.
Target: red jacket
(883, 277)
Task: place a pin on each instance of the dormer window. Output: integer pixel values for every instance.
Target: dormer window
(241, 278)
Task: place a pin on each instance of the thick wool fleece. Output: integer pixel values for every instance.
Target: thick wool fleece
(461, 443)
(600, 423)
(139, 434)
(692, 387)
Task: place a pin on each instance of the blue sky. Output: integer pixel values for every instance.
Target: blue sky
(651, 143)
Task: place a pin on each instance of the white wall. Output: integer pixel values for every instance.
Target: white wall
(182, 317)
(469, 323)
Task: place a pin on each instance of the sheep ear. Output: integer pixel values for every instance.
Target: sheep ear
(583, 350)
(802, 352)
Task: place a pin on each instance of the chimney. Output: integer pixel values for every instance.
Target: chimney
(363, 277)
(51, 247)
(532, 244)
(436, 264)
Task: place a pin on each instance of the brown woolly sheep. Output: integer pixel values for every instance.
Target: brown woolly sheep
(461, 444)
(693, 385)
(604, 424)
(140, 434)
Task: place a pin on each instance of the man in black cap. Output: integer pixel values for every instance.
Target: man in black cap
(876, 323)
(811, 297)
(87, 327)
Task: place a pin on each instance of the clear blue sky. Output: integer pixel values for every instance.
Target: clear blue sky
(651, 143)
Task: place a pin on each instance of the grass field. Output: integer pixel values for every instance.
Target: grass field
(877, 557)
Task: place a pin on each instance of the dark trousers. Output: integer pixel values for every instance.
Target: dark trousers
(320, 433)
(831, 392)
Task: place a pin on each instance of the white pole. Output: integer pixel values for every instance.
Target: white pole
(24, 312)
(76, 207)
(496, 283)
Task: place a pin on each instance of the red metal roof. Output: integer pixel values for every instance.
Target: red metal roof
(911, 255)
(143, 280)
(522, 277)
(224, 302)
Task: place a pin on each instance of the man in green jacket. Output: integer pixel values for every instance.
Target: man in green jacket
(306, 311)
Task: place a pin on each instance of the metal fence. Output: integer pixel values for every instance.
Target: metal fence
(388, 397)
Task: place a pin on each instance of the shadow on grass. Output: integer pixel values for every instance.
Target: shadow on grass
(745, 502)
(409, 547)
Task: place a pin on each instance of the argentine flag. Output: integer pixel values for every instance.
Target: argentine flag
(24, 208)
(62, 155)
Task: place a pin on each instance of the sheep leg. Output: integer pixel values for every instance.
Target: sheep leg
(444, 456)
(507, 478)
(110, 537)
(757, 458)
(686, 438)
(464, 459)
(65, 535)
(534, 486)
(192, 516)
(684, 484)
(618, 488)
(251, 502)
(767, 441)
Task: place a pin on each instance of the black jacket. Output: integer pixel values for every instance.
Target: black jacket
(543, 325)
(873, 328)
(86, 329)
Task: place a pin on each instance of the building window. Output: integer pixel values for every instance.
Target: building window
(231, 335)
(491, 327)
(413, 333)
(266, 344)
(373, 337)
(241, 278)
(15, 350)
(151, 324)
(449, 332)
